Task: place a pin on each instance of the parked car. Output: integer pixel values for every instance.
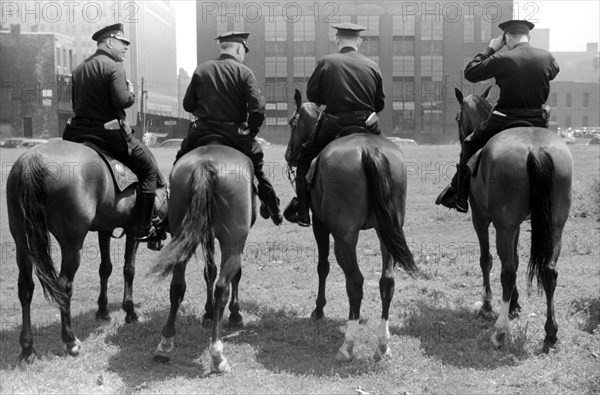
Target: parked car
(595, 140)
(400, 142)
(28, 143)
(171, 143)
(567, 136)
(263, 142)
(11, 142)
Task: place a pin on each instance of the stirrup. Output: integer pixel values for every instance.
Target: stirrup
(446, 196)
(151, 235)
(461, 208)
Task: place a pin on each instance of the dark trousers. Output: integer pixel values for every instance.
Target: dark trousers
(246, 144)
(491, 127)
(125, 148)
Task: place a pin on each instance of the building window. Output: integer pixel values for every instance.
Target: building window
(275, 67)
(432, 29)
(304, 29)
(276, 30)
(403, 25)
(586, 100)
(553, 97)
(404, 116)
(304, 66)
(486, 28)
(567, 121)
(432, 66)
(585, 122)
(371, 22)
(568, 101)
(276, 114)
(403, 66)
(469, 28)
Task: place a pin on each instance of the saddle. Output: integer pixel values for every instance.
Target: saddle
(473, 163)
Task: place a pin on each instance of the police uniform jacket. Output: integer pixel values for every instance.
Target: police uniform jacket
(523, 75)
(346, 81)
(100, 90)
(224, 90)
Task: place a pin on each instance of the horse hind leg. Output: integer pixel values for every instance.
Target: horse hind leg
(235, 318)
(550, 277)
(481, 226)
(322, 237)
(230, 267)
(104, 271)
(26, 287)
(210, 276)
(515, 308)
(177, 290)
(505, 239)
(386, 290)
(345, 253)
(71, 258)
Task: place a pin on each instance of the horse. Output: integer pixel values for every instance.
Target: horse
(67, 189)
(360, 183)
(212, 196)
(522, 172)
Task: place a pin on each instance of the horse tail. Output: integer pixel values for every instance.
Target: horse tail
(540, 169)
(197, 225)
(381, 201)
(32, 202)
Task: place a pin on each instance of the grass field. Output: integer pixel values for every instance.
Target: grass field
(438, 344)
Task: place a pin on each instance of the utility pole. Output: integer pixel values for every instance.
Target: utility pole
(142, 101)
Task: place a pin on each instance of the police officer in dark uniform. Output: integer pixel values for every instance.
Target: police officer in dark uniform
(226, 100)
(523, 74)
(350, 86)
(100, 95)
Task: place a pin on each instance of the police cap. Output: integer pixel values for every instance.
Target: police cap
(112, 31)
(234, 37)
(516, 26)
(348, 29)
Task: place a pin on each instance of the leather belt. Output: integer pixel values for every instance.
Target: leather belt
(361, 115)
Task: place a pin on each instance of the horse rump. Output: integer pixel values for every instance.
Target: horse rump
(197, 225)
(540, 169)
(381, 202)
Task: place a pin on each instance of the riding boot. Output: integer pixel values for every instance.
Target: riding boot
(448, 195)
(145, 231)
(270, 206)
(302, 217)
(461, 203)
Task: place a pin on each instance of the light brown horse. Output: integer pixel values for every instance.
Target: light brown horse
(360, 183)
(67, 189)
(522, 171)
(212, 196)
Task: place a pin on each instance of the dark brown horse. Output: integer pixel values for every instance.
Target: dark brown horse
(360, 183)
(212, 196)
(522, 171)
(66, 189)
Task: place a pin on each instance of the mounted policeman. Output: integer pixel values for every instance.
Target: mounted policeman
(351, 87)
(523, 74)
(101, 93)
(227, 101)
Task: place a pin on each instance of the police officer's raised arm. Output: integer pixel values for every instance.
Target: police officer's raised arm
(121, 96)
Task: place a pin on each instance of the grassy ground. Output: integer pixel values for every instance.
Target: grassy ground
(438, 345)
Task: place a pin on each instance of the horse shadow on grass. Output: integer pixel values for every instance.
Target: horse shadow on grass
(46, 336)
(462, 338)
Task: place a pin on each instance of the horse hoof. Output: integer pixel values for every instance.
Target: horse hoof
(549, 342)
(73, 348)
(162, 358)
(220, 367)
(382, 352)
(103, 315)
(344, 356)
(513, 314)
(498, 340)
(235, 320)
(317, 315)
(131, 318)
(28, 356)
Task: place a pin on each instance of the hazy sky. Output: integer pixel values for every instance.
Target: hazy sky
(572, 24)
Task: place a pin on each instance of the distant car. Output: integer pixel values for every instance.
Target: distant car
(567, 137)
(171, 143)
(262, 141)
(400, 142)
(11, 143)
(595, 140)
(28, 143)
